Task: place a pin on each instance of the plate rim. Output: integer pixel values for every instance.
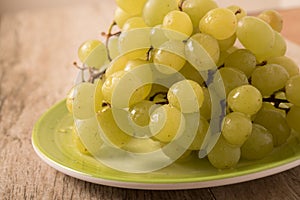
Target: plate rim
(162, 184)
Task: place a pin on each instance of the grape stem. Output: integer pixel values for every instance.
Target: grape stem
(277, 102)
(108, 35)
(180, 4)
(94, 74)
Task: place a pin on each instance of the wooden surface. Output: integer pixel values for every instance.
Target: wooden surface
(37, 48)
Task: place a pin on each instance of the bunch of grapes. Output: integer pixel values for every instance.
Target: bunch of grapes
(165, 61)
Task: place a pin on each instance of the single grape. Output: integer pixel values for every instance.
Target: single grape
(255, 35)
(224, 155)
(121, 16)
(238, 11)
(158, 36)
(293, 117)
(243, 60)
(140, 112)
(169, 58)
(155, 11)
(269, 78)
(191, 73)
(133, 23)
(246, 99)
(142, 145)
(221, 23)
(273, 18)
(205, 109)
(292, 89)
(232, 78)
(70, 99)
(93, 53)
(227, 43)
(236, 128)
(258, 145)
(165, 122)
(113, 47)
(78, 143)
(133, 7)
(286, 62)
(201, 133)
(196, 9)
(209, 43)
(275, 123)
(179, 22)
(179, 96)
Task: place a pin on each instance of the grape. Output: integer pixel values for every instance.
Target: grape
(70, 100)
(140, 112)
(121, 17)
(142, 145)
(93, 53)
(258, 145)
(158, 93)
(275, 123)
(165, 122)
(224, 155)
(273, 18)
(113, 47)
(236, 128)
(269, 78)
(243, 60)
(246, 99)
(201, 133)
(209, 43)
(170, 54)
(255, 35)
(196, 9)
(292, 89)
(83, 95)
(227, 43)
(79, 145)
(232, 78)
(134, 7)
(158, 36)
(290, 65)
(191, 73)
(221, 23)
(133, 23)
(155, 11)
(111, 130)
(238, 11)
(205, 110)
(178, 21)
(293, 117)
(186, 95)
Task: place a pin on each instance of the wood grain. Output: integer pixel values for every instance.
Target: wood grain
(37, 48)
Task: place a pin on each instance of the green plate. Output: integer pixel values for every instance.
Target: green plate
(53, 143)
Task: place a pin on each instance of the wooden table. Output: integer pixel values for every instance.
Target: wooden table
(37, 48)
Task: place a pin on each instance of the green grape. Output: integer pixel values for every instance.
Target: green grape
(243, 60)
(110, 128)
(134, 7)
(170, 54)
(246, 99)
(196, 9)
(224, 155)
(191, 73)
(98, 96)
(293, 117)
(78, 143)
(232, 78)
(135, 40)
(286, 62)
(70, 99)
(255, 35)
(158, 36)
(201, 133)
(140, 112)
(268, 105)
(236, 128)
(275, 123)
(269, 78)
(279, 48)
(142, 145)
(221, 23)
(113, 47)
(83, 93)
(238, 11)
(292, 89)
(205, 110)
(165, 121)
(121, 16)
(179, 96)
(209, 43)
(227, 43)
(93, 53)
(158, 93)
(273, 18)
(133, 23)
(258, 145)
(155, 11)
(178, 21)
